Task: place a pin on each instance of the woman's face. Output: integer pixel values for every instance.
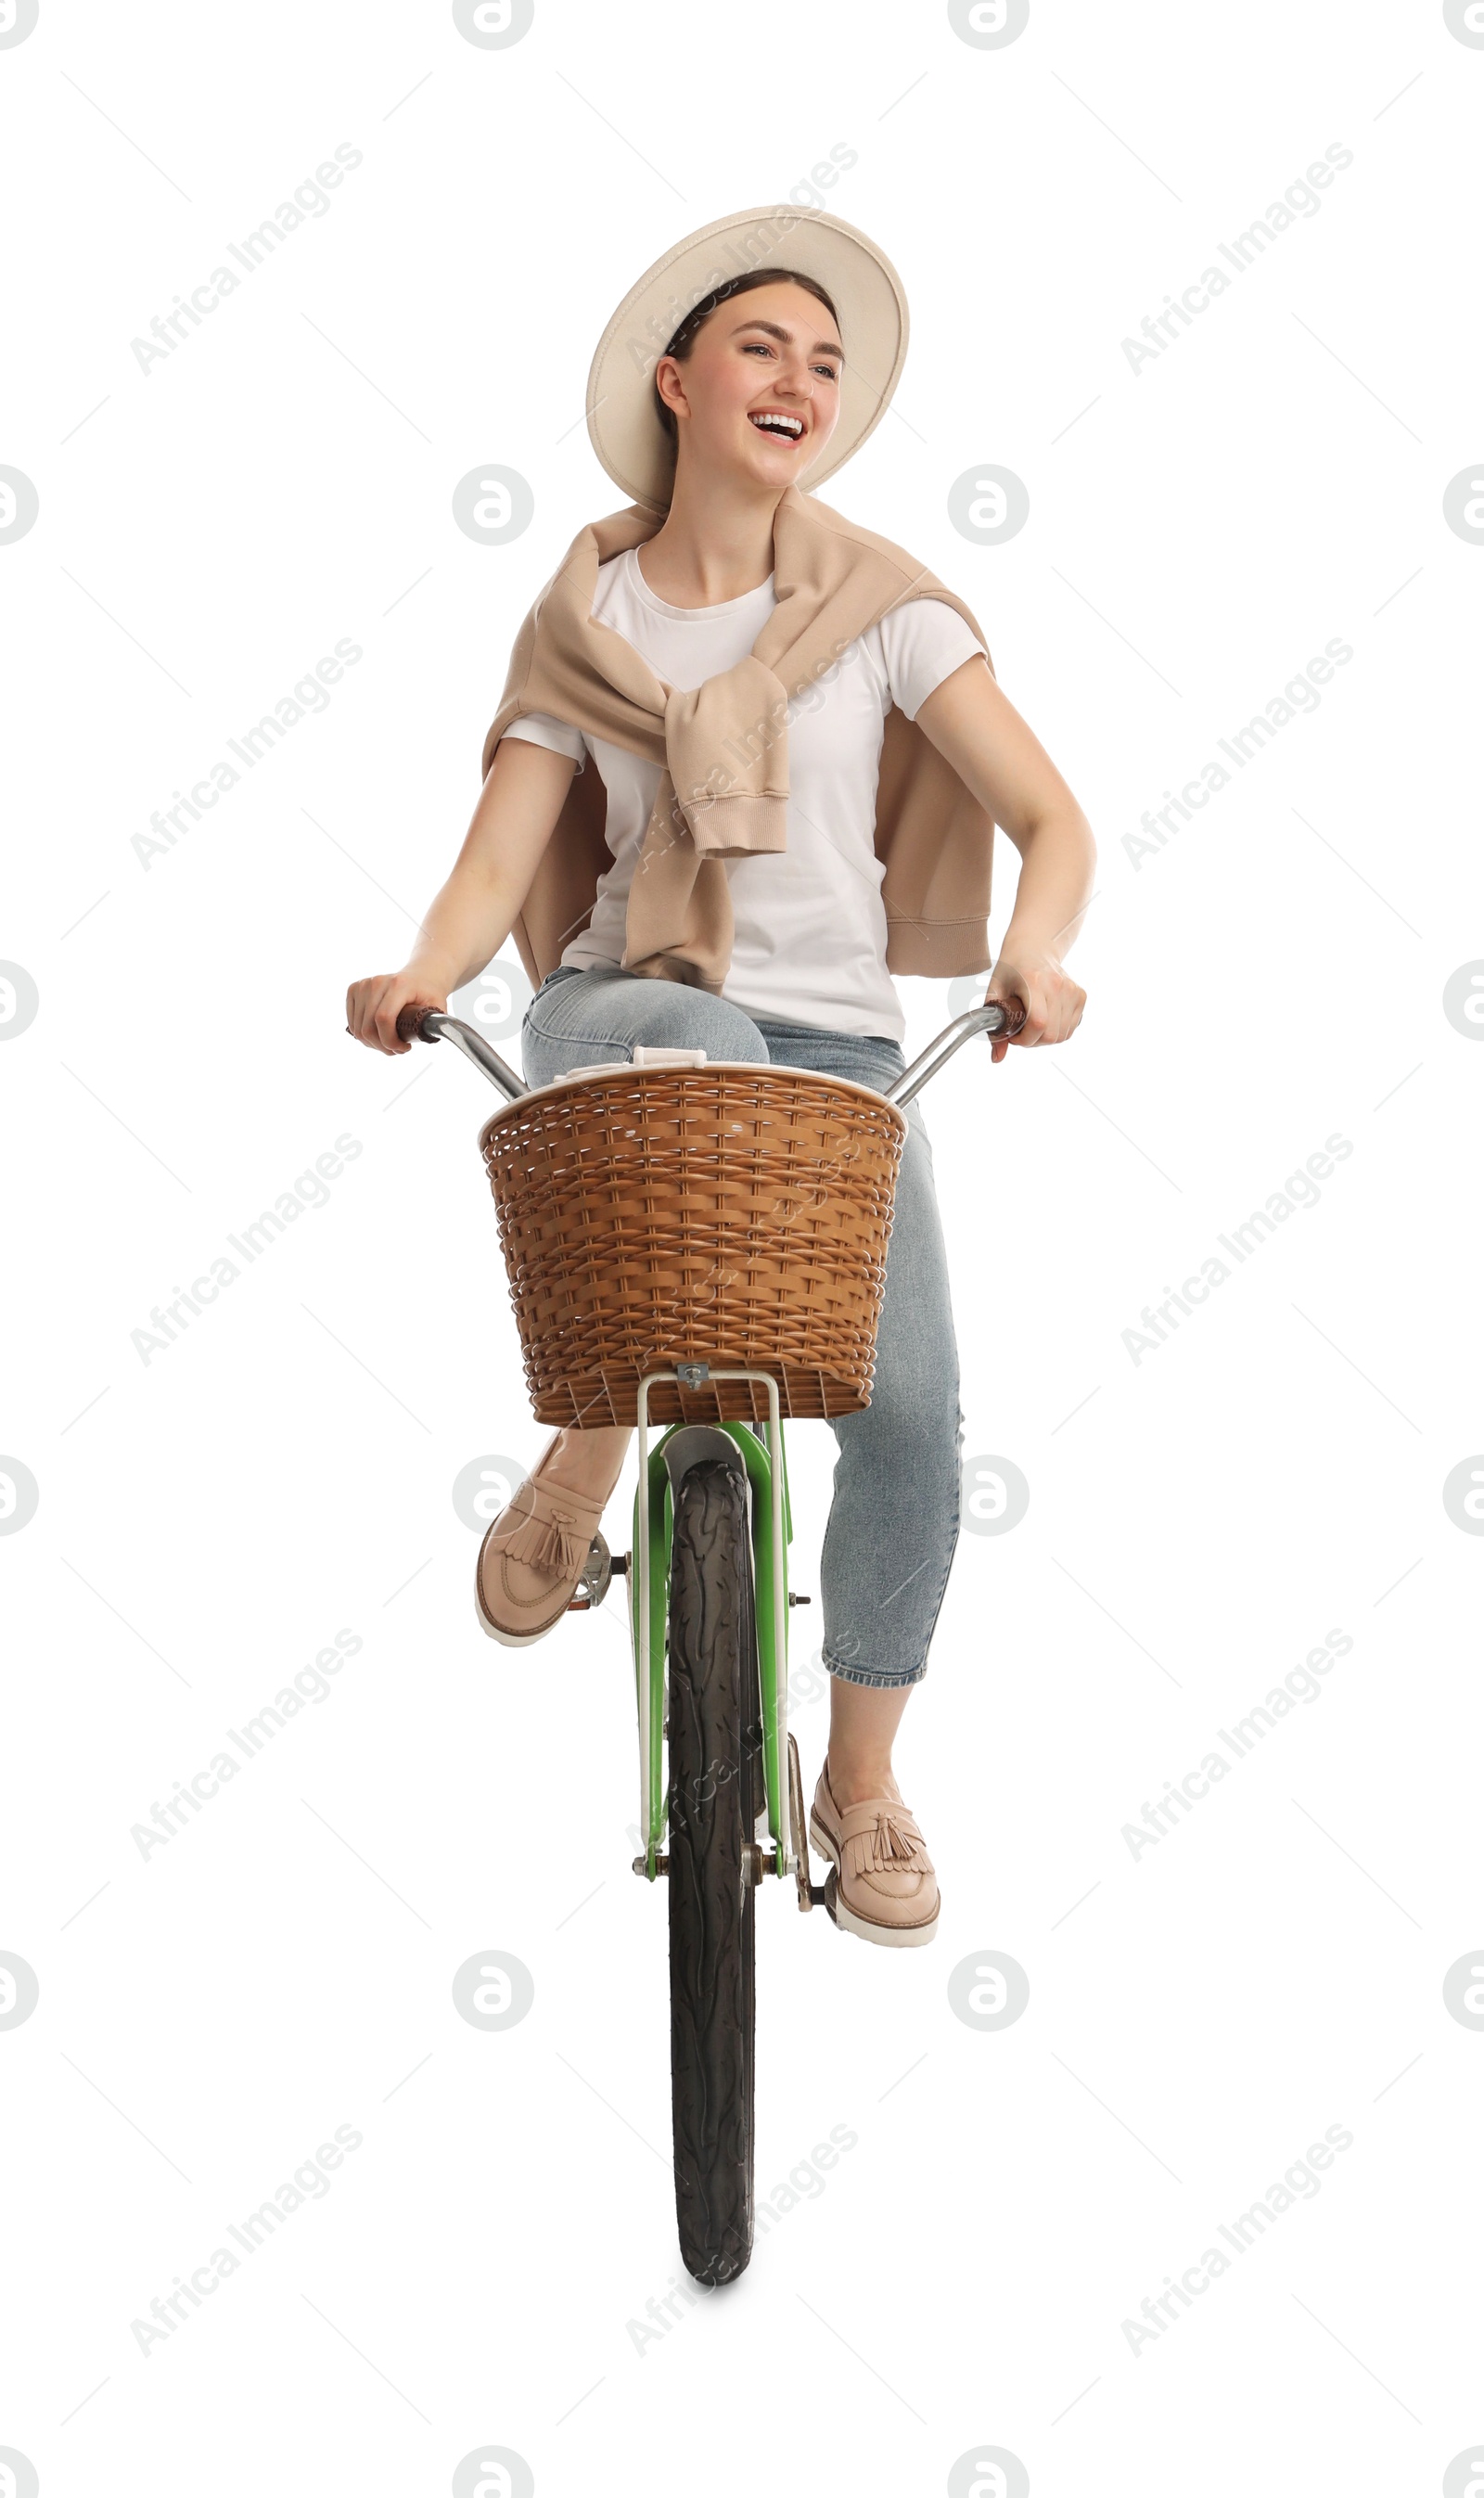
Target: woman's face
(773, 352)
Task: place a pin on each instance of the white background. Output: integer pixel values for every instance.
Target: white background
(1198, 1518)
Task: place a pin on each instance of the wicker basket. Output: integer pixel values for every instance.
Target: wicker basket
(729, 1213)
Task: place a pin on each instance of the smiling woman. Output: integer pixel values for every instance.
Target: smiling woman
(752, 336)
(747, 766)
(774, 366)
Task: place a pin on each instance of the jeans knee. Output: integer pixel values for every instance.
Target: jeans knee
(609, 1013)
(681, 1017)
(911, 1441)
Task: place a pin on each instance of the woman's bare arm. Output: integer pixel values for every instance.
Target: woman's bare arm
(978, 729)
(468, 921)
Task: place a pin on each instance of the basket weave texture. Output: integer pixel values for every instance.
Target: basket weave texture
(731, 1214)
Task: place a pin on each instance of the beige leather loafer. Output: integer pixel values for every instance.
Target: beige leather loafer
(885, 1887)
(533, 1558)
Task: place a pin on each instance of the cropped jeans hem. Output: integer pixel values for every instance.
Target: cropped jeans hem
(872, 1681)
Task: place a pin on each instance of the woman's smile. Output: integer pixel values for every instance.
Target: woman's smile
(779, 422)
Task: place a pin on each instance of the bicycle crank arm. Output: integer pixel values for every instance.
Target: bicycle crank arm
(811, 1895)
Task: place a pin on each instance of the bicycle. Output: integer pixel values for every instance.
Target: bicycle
(712, 1525)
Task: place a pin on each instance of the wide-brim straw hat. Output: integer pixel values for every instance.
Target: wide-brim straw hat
(623, 419)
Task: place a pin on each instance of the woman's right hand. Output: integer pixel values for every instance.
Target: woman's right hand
(372, 1007)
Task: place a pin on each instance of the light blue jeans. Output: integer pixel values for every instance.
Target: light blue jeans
(895, 1518)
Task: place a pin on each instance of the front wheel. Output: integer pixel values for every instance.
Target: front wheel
(714, 1776)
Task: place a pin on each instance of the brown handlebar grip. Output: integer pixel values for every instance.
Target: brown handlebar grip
(1015, 1018)
(409, 1023)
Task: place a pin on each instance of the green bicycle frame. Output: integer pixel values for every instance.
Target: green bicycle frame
(772, 1532)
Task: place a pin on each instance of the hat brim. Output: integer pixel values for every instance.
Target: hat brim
(622, 422)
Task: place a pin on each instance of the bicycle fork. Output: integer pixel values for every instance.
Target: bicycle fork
(767, 1477)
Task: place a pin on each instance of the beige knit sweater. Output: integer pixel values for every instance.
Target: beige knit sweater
(724, 755)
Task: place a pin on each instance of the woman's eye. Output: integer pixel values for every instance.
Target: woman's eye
(761, 348)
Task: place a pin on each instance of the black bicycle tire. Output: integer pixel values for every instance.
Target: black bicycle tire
(712, 1918)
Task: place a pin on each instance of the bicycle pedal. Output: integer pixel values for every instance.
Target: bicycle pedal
(594, 1577)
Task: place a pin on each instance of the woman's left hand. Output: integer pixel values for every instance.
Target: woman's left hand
(1052, 1001)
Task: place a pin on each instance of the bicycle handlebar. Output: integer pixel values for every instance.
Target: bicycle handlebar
(426, 1023)
(991, 1019)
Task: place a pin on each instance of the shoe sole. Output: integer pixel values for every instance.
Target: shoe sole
(893, 1936)
(508, 1639)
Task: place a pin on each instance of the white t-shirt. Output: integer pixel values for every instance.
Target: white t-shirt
(810, 937)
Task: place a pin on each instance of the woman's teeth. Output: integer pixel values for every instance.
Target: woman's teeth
(789, 428)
